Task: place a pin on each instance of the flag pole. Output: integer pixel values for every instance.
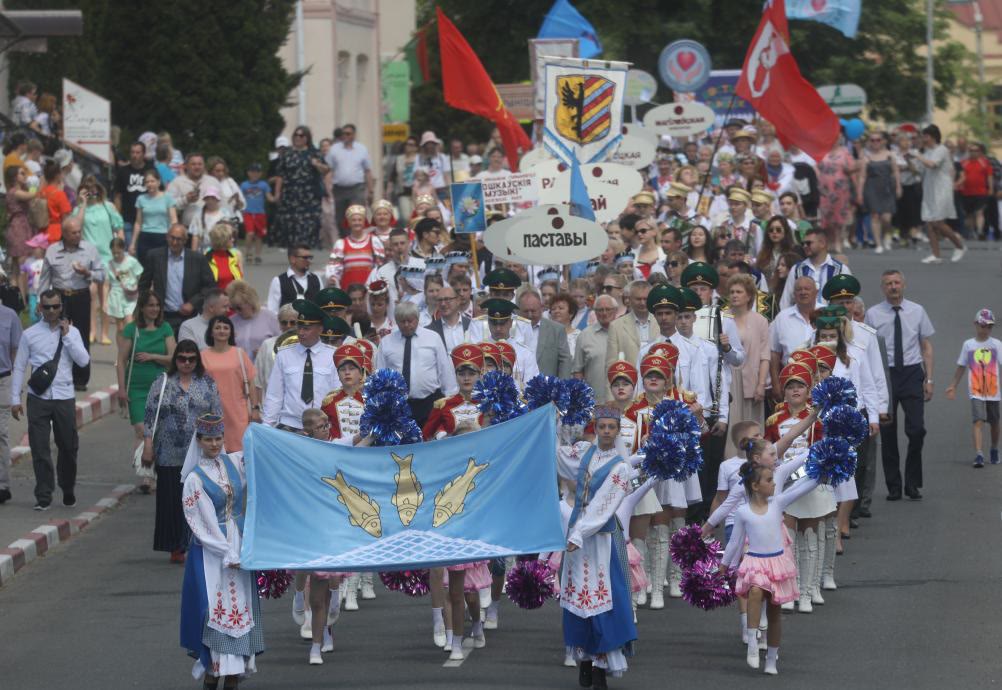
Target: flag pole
(716, 145)
(473, 235)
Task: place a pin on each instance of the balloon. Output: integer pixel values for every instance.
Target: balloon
(854, 128)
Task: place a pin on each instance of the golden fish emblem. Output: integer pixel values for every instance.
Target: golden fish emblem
(362, 511)
(449, 501)
(408, 497)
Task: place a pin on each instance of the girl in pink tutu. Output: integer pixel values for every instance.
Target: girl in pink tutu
(767, 571)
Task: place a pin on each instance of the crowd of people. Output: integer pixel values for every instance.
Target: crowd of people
(724, 286)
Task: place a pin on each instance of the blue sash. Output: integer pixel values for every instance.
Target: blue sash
(588, 487)
(219, 498)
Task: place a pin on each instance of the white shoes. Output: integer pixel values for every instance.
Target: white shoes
(438, 634)
(479, 639)
(958, 254)
(879, 249)
(491, 618)
(770, 667)
(788, 606)
(315, 658)
(299, 607)
(328, 645)
(933, 259)
(569, 657)
(457, 651)
(351, 593)
(306, 629)
(367, 590)
(751, 656)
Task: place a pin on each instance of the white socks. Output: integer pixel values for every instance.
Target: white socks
(751, 635)
(436, 617)
(771, 657)
(450, 640)
(744, 627)
(299, 601)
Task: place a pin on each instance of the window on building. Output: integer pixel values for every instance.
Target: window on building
(343, 75)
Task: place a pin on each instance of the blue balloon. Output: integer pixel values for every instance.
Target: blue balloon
(854, 128)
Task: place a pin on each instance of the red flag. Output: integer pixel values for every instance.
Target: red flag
(467, 86)
(771, 81)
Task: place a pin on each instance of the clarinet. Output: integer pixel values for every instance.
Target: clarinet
(718, 383)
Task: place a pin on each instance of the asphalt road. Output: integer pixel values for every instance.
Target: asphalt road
(917, 606)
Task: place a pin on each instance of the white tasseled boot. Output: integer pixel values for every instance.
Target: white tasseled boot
(809, 554)
(789, 606)
(751, 655)
(368, 591)
(351, 593)
(659, 563)
(819, 562)
(828, 572)
(640, 598)
(674, 570)
(651, 544)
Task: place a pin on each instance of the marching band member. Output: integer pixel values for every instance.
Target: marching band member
(499, 321)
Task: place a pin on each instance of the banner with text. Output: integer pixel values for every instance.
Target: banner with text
(87, 120)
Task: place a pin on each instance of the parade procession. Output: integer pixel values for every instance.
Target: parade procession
(590, 391)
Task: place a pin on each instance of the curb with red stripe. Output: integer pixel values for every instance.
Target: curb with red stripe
(40, 540)
(96, 405)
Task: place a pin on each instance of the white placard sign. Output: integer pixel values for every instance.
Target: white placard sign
(551, 235)
(610, 186)
(87, 120)
(531, 158)
(634, 152)
(679, 119)
(517, 188)
(495, 238)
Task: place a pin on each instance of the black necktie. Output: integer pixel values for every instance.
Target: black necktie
(306, 391)
(407, 361)
(899, 350)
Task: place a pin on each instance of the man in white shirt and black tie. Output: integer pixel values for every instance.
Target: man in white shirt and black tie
(420, 356)
(54, 407)
(303, 373)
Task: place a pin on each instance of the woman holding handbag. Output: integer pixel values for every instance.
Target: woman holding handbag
(177, 398)
(233, 372)
(145, 348)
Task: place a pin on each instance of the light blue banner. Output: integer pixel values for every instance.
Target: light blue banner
(468, 207)
(318, 506)
(840, 14)
(564, 21)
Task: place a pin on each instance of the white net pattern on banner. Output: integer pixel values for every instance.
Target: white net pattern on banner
(410, 546)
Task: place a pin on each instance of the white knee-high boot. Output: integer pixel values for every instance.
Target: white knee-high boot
(819, 564)
(659, 563)
(828, 573)
(651, 543)
(674, 570)
(368, 591)
(809, 553)
(351, 593)
(795, 551)
(640, 598)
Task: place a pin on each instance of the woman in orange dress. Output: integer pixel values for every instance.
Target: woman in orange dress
(233, 372)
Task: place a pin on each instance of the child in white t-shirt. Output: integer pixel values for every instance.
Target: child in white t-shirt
(979, 356)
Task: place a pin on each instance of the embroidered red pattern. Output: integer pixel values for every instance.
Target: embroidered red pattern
(190, 501)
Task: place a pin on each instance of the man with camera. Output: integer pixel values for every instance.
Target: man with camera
(52, 347)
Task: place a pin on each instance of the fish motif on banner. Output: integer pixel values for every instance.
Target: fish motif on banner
(584, 107)
(408, 496)
(362, 511)
(450, 500)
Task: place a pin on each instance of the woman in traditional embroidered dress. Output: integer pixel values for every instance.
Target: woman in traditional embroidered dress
(220, 609)
(454, 416)
(598, 614)
(353, 257)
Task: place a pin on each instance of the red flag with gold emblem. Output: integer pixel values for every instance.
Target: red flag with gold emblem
(467, 86)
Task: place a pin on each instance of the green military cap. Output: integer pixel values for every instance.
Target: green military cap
(833, 310)
(842, 285)
(335, 326)
(332, 298)
(700, 273)
(691, 301)
(498, 309)
(502, 279)
(309, 313)
(665, 296)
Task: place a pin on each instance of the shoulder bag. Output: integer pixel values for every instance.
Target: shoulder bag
(137, 455)
(243, 375)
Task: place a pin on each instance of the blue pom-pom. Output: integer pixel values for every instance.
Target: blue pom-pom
(833, 391)
(846, 422)
(387, 416)
(580, 402)
(831, 461)
(672, 448)
(497, 397)
(542, 390)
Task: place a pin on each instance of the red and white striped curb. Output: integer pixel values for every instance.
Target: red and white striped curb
(38, 541)
(90, 409)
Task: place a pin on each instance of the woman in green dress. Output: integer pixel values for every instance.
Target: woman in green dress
(152, 339)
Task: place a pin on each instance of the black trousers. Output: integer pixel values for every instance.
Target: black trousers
(421, 407)
(76, 307)
(60, 417)
(907, 391)
(713, 455)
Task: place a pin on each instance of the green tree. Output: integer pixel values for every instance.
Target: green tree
(887, 57)
(208, 73)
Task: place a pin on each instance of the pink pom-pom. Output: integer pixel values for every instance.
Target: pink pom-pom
(688, 547)
(413, 583)
(530, 583)
(705, 587)
(271, 584)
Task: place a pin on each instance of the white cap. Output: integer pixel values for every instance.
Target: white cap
(282, 141)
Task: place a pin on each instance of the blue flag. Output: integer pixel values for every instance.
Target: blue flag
(564, 21)
(580, 200)
(840, 14)
(313, 505)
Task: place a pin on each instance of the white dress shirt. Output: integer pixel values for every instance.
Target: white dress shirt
(348, 165)
(532, 337)
(37, 346)
(431, 366)
(788, 332)
(865, 338)
(274, 302)
(283, 403)
(708, 372)
(689, 370)
(454, 335)
(194, 329)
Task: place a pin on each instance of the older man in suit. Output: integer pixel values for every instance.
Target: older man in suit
(451, 325)
(548, 339)
(635, 329)
(178, 276)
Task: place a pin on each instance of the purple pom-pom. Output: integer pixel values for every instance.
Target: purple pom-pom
(413, 583)
(271, 584)
(687, 547)
(705, 587)
(530, 583)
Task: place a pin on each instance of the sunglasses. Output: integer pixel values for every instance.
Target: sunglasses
(642, 230)
(608, 288)
(299, 134)
(673, 264)
(52, 307)
(187, 359)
